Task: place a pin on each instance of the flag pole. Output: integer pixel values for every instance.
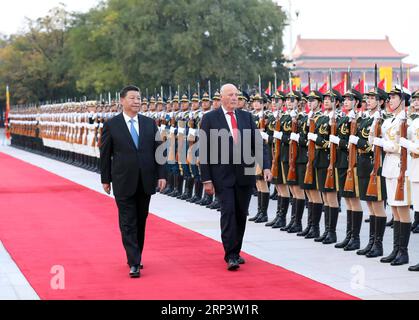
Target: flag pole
(6, 123)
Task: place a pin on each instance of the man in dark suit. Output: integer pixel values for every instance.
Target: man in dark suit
(127, 154)
(227, 171)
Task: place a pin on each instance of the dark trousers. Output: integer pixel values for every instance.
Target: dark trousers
(133, 213)
(234, 207)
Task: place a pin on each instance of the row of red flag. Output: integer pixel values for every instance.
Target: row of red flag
(340, 87)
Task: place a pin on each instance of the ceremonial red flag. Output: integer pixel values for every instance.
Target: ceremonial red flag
(382, 84)
(406, 84)
(340, 87)
(360, 86)
(306, 90)
(323, 88)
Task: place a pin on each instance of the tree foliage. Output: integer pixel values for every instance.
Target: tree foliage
(150, 43)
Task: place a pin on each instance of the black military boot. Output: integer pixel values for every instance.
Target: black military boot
(198, 192)
(333, 221)
(367, 249)
(187, 194)
(299, 211)
(278, 213)
(282, 220)
(293, 210)
(317, 209)
(259, 207)
(377, 247)
(309, 221)
(354, 242)
(264, 208)
(403, 254)
(415, 225)
(345, 241)
(182, 182)
(326, 225)
(396, 243)
(274, 195)
(174, 193)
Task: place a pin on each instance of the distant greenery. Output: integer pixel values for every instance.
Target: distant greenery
(150, 43)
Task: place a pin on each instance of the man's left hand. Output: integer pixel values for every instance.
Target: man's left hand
(267, 175)
(162, 184)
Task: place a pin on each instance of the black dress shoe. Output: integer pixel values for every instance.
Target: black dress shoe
(233, 265)
(240, 260)
(134, 272)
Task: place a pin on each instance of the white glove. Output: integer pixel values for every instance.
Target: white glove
(378, 142)
(310, 114)
(293, 114)
(312, 136)
(278, 135)
(405, 143)
(181, 130)
(192, 132)
(352, 114)
(334, 139)
(295, 137)
(264, 135)
(331, 115)
(162, 127)
(172, 129)
(353, 139)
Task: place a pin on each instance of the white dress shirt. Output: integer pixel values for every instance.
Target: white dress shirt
(228, 118)
(128, 123)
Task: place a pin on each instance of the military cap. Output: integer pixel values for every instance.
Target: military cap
(205, 97)
(354, 94)
(195, 97)
(152, 100)
(257, 97)
(246, 96)
(145, 101)
(335, 93)
(216, 96)
(304, 96)
(316, 95)
(184, 98)
(160, 100)
(241, 96)
(294, 94)
(279, 95)
(415, 94)
(382, 95)
(397, 90)
(175, 98)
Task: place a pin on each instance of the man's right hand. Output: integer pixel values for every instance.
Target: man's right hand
(107, 187)
(209, 188)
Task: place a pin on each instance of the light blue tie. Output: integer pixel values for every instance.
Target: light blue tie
(134, 133)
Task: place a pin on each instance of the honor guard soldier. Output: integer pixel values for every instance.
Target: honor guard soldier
(206, 107)
(369, 167)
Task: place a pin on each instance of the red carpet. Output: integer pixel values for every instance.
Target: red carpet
(46, 220)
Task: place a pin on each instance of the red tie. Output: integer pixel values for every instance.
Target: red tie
(234, 126)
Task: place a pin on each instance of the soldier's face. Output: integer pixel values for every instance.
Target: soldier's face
(257, 105)
(348, 103)
(131, 103)
(195, 105)
(372, 102)
(394, 101)
(185, 106)
(152, 107)
(313, 104)
(415, 103)
(144, 108)
(206, 105)
(327, 103)
(175, 106)
(241, 103)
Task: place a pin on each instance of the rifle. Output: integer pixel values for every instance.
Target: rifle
(330, 177)
(350, 173)
(275, 164)
(403, 152)
(292, 172)
(308, 178)
(372, 190)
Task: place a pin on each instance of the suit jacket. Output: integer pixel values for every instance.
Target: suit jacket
(227, 175)
(121, 163)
